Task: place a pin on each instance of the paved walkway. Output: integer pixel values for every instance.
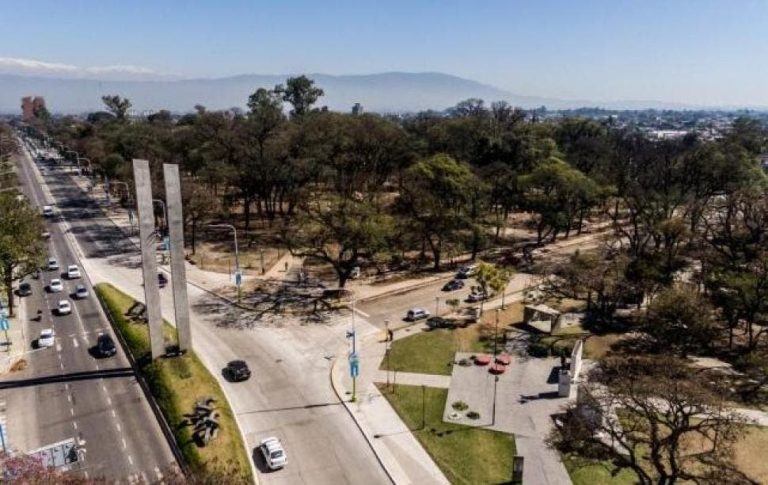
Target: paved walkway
(412, 379)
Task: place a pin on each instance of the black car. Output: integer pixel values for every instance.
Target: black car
(25, 289)
(440, 322)
(453, 285)
(237, 370)
(105, 346)
(162, 280)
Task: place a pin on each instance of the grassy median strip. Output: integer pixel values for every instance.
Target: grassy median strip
(177, 384)
(466, 455)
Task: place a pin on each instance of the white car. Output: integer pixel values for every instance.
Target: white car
(47, 211)
(273, 453)
(64, 307)
(416, 314)
(53, 264)
(46, 338)
(73, 271)
(81, 292)
(55, 285)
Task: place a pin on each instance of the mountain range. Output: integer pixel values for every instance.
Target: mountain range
(391, 92)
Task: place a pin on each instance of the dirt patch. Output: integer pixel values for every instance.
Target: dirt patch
(220, 258)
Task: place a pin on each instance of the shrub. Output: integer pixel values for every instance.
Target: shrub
(459, 406)
(473, 415)
(538, 349)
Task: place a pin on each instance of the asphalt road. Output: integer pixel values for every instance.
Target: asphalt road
(289, 395)
(66, 392)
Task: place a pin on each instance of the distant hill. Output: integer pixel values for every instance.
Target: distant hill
(386, 92)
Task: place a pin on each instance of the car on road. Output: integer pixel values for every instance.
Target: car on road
(46, 338)
(476, 296)
(273, 453)
(46, 235)
(47, 211)
(55, 286)
(453, 285)
(440, 322)
(52, 264)
(73, 272)
(81, 292)
(25, 289)
(416, 314)
(465, 272)
(237, 370)
(64, 307)
(162, 280)
(105, 346)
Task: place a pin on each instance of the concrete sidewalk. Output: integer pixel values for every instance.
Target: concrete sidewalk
(412, 379)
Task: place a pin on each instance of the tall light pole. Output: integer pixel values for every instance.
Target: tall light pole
(388, 346)
(496, 333)
(437, 305)
(238, 275)
(354, 361)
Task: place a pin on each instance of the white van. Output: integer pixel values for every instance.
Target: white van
(416, 314)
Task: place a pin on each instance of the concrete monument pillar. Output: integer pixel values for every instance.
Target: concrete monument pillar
(149, 241)
(176, 237)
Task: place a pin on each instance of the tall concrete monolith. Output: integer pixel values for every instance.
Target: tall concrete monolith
(176, 238)
(149, 240)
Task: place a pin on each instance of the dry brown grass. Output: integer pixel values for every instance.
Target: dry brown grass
(220, 258)
(598, 346)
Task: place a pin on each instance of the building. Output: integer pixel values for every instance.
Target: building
(357, 109)
(30, 105)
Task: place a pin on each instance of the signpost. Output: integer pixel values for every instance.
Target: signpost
(4, 326)
(354, 364)
(238, 279)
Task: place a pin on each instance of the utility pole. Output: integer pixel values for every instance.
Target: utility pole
(423, 406)
(388, 344)
(496, 333)
(354, 361)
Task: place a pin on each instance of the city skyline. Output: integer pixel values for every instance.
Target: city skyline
(703, 53)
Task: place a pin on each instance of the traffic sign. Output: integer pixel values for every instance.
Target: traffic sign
(3, 310)
(4, 324)
(354, 368)
(238, 278)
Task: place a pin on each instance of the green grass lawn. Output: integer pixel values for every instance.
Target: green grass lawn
(176, 384)
(426, 352)
(465, 454)
(592, 472)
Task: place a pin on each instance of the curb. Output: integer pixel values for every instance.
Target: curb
(335, 385)
(400, 291)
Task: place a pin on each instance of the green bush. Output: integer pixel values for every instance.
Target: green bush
(538, 349)
(459, 405)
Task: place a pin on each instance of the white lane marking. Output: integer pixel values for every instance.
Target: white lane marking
(104, 387)
(114, 414)
(58, 347)
(144, 478)
(61, 364)
(75, 342)
(119, 430)
(72, 411)
(158, 473)
(357, 310)
(125, 445)
(130, 460)
(86, 475)
(74, 424)
(69, 398)
(109, 401)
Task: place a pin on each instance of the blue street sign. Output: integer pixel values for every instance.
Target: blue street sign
(238, 278)
(4, 323)
(3, 310)
(354, 368)
(166, 243)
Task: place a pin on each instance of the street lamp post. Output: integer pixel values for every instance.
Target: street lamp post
(496, 332)
(437, 306)
(386, 349)
(238, 275)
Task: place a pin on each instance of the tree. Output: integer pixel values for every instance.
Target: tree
(301, 93)
(342, 233)
(681, 320)
(21, 242)
(656, 418)
(117, 106)
(199, 204)
(491, 279)
(434, 199)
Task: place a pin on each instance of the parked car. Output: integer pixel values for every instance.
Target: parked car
(453, 285)
(237, 370)
(440, 322)
(416, 314)
(162, 280)
(81, 292)
(52, 264)
(55, 286)
(25, 289)
(46, 235)
(64, 307)
(465, 272)
(73, 272)
(273, 453)
(46, 338)
(47, 211)
(105, 346)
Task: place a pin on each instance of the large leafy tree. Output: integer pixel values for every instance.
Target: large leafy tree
(301, 93)
(21, 243)
(117, 106)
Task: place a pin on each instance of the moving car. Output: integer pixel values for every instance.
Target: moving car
(453, 285)
(73, 271)
(46, 235)
(476, 296)
(55, 285)
(53, 264)
(105, 346)
(440, 322)
(64, 307)
(237, 370)
(46, 338)
(47, 211)
(25, 289)
(273, 453)
(162, 280)
(81, 292)
(416, 314)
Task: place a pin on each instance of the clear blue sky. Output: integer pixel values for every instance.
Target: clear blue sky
(696, 51)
